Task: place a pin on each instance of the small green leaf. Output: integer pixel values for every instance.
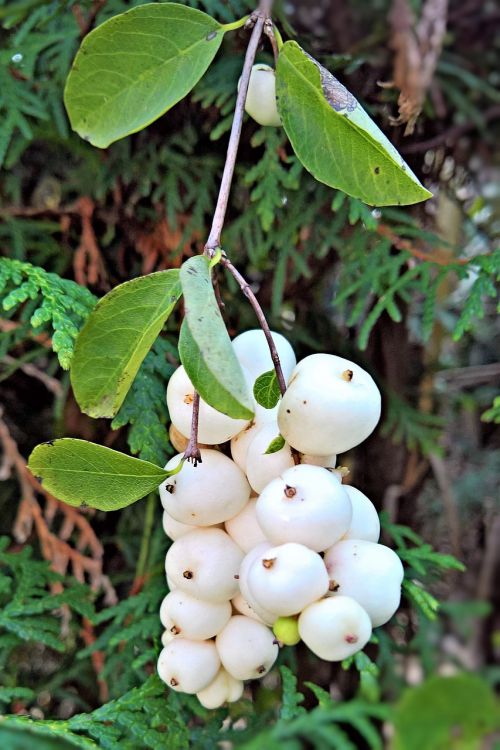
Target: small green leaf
(136, 66)
(266, 390)
(275, 445)
(82, 473)
(452, 713)
(205, 347)
(114, 341)
(335, 139)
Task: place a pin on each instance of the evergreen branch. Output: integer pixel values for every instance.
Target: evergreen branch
(62, 311)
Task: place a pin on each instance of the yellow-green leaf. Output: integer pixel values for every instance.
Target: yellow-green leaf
(83, 473)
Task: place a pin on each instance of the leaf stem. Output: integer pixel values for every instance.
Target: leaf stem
(236, 24)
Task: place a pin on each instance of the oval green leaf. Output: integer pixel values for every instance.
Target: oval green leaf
(116, 337)
(335, 139)
(205, 347)
(82, 473)
(266, 390)
(135, 66)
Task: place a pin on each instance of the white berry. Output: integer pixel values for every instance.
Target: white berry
(242, 607)
(330, 405)
(213, 426)
(246, 648)
(328, 462)
(188, 666)
(209, 493)
(306, 504)
(287, 578)
(260, 102)
(335, 628)
(175, 529)
(241, 442)
(223, 689)
(262, 467)
(167, 637)
(269, 617)
(252, 351)
(244, 528)
(365, 523)
(191, 618)
(205, 564)
(368, 572)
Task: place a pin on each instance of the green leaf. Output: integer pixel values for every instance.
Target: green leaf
(205, 347)
(114, 341)
(266, 390)
(335, 139)
(275, 445)
(135, 66)
(83, 473)
(446, 713)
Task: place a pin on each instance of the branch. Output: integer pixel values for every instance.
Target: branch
(247, 291)
(258, 21)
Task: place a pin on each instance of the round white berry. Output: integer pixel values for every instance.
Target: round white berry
(246, 648)
(167, 637)
(330, 405)
(287, 578)
(178, 440)
(365, 523)
(213, 426)
(209, 493)
(368, 572)
(262, 467)
(266, 616)
(328, 462)
(306, 504)
(223, 689)
(188, 666)
(260, 102)
(205, 564)
(241, 442)
(252, 351)
(242, 607)
(335, 628)
(191, 618)
(174, 529)
(244, 528)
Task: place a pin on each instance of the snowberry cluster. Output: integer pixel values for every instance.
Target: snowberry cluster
(271, 548)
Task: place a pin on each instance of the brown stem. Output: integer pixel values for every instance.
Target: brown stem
(192, 452)
(247, 291)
